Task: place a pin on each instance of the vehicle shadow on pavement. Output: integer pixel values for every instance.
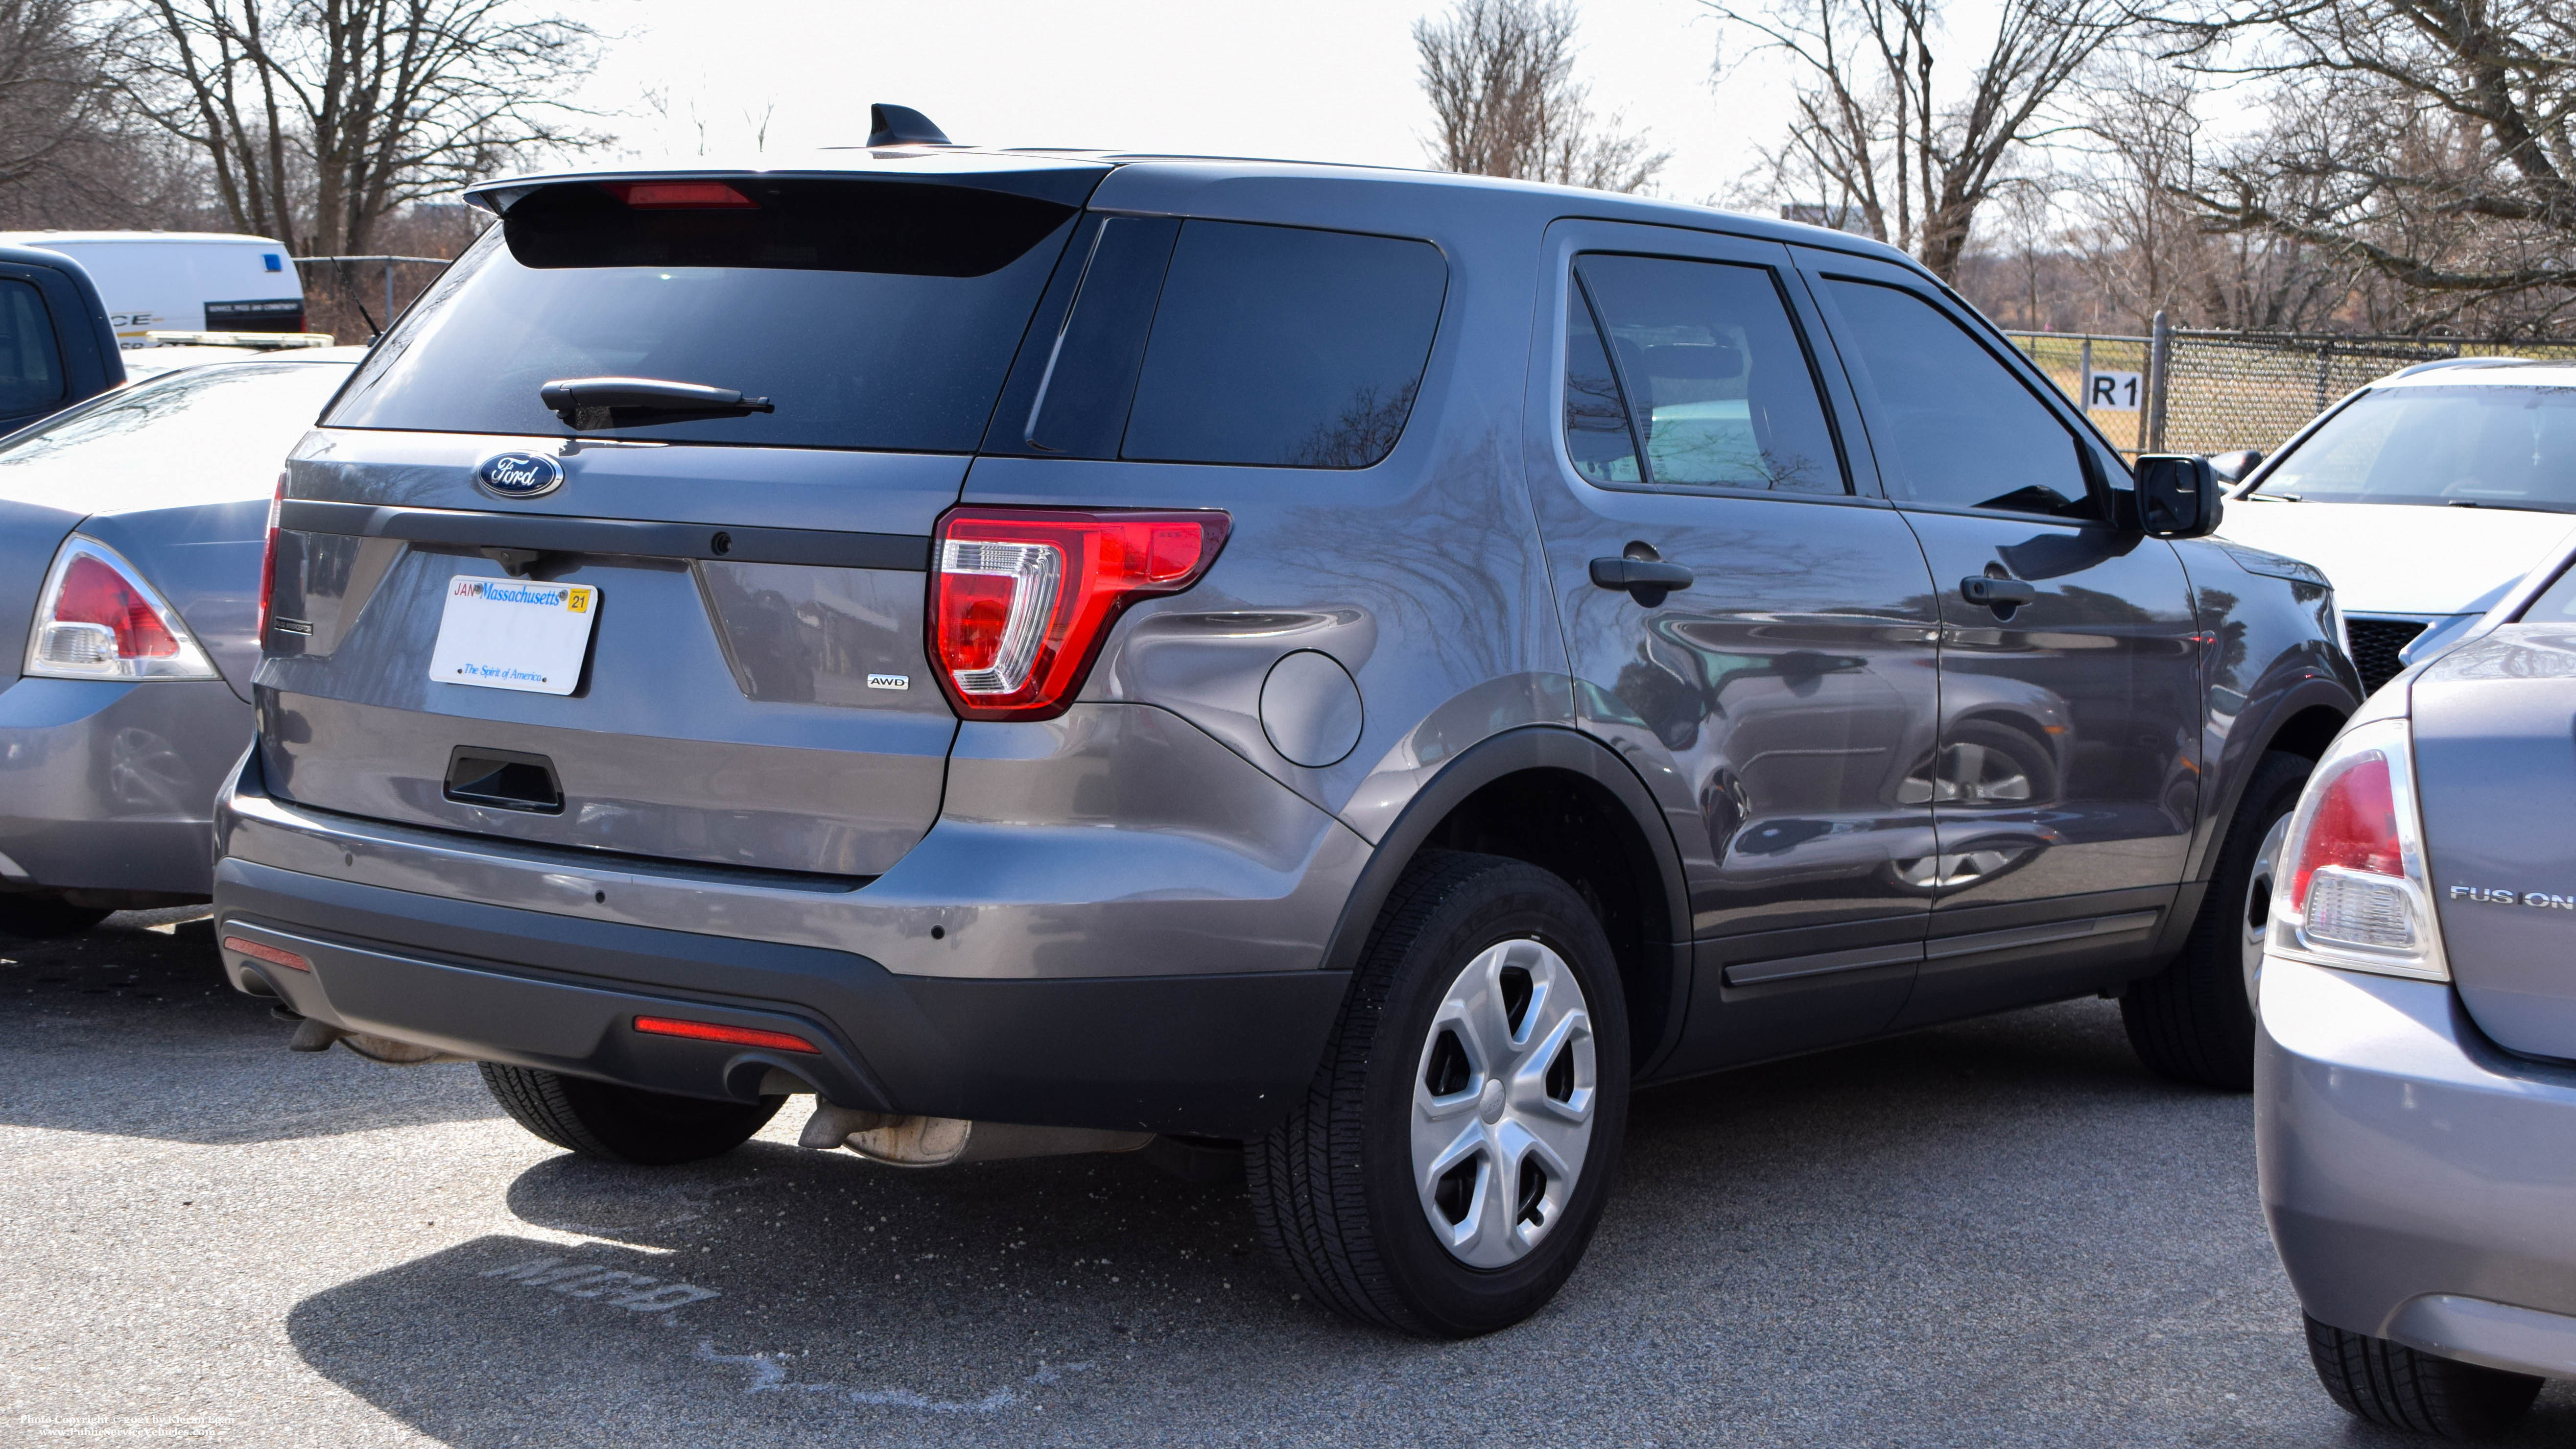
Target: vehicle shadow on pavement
(129, 1028)
(2002, 1232)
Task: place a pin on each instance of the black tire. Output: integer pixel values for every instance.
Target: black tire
(2397, 1387)
(2194, 1021)
(44, 917)
(1332, 1187)
(623, 1124)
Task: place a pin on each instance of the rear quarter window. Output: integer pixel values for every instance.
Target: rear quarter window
(1285, 346)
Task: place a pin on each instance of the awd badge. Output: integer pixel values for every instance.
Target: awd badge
(519, 475)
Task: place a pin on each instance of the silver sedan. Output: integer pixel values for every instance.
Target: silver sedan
(131, 531)
(2415, 1079)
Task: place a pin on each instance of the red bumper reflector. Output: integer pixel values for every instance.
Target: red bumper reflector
(736, 1035)
(273, 955)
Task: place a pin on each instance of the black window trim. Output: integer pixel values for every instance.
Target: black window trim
(1572, 278)
(2088, 440)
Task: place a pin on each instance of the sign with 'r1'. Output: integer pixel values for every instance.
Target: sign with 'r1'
(2116, 392)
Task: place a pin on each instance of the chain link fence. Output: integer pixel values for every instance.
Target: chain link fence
(2212, 391)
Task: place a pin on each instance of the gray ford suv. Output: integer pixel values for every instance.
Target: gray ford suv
(1045, 650)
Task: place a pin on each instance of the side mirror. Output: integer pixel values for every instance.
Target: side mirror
(2177, 496)
(2232, 467)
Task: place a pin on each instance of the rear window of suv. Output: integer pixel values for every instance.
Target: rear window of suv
(871, 314)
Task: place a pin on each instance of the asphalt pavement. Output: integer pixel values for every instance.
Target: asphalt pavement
(1997, 1233)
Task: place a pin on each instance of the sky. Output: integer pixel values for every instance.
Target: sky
(1324, 80)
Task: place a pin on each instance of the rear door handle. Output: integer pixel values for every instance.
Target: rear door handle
(1647, 580)
(1998, 593)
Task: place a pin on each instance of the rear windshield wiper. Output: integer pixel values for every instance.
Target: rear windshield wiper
(595, 402)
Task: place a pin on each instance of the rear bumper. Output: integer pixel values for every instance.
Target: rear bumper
(543, 957)
(2419, 1182)
(109, 785)
(1223, 1056)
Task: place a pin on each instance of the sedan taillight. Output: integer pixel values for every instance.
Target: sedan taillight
(1022, 597)
(2358, 895)
(97, 619)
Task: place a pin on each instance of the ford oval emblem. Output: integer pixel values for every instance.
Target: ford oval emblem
(519, 475)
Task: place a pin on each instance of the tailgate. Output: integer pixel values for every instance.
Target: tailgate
(754, 693)
(649, 474)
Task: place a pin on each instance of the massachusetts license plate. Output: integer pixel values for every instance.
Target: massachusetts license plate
(512, 634)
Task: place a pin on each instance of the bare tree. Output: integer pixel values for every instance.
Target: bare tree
(2430, 141)
(321, 118)
(1500, 76)
(2142, 247)
(1877, 133)
(70, 155)
(53, 83)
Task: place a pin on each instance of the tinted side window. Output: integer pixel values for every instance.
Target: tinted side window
(31, 371)
(1285, 346)
(1714, 377)
(1959, 428)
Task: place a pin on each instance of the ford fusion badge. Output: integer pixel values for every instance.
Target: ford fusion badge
(519, 475)
(2499, 896)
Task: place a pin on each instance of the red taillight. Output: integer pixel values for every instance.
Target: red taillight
(268, 559)
(1021, 598)
(93, 592)
(2355, 826)
(734, 1035)
(97, 619)
(273, 955)
(681, 196)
